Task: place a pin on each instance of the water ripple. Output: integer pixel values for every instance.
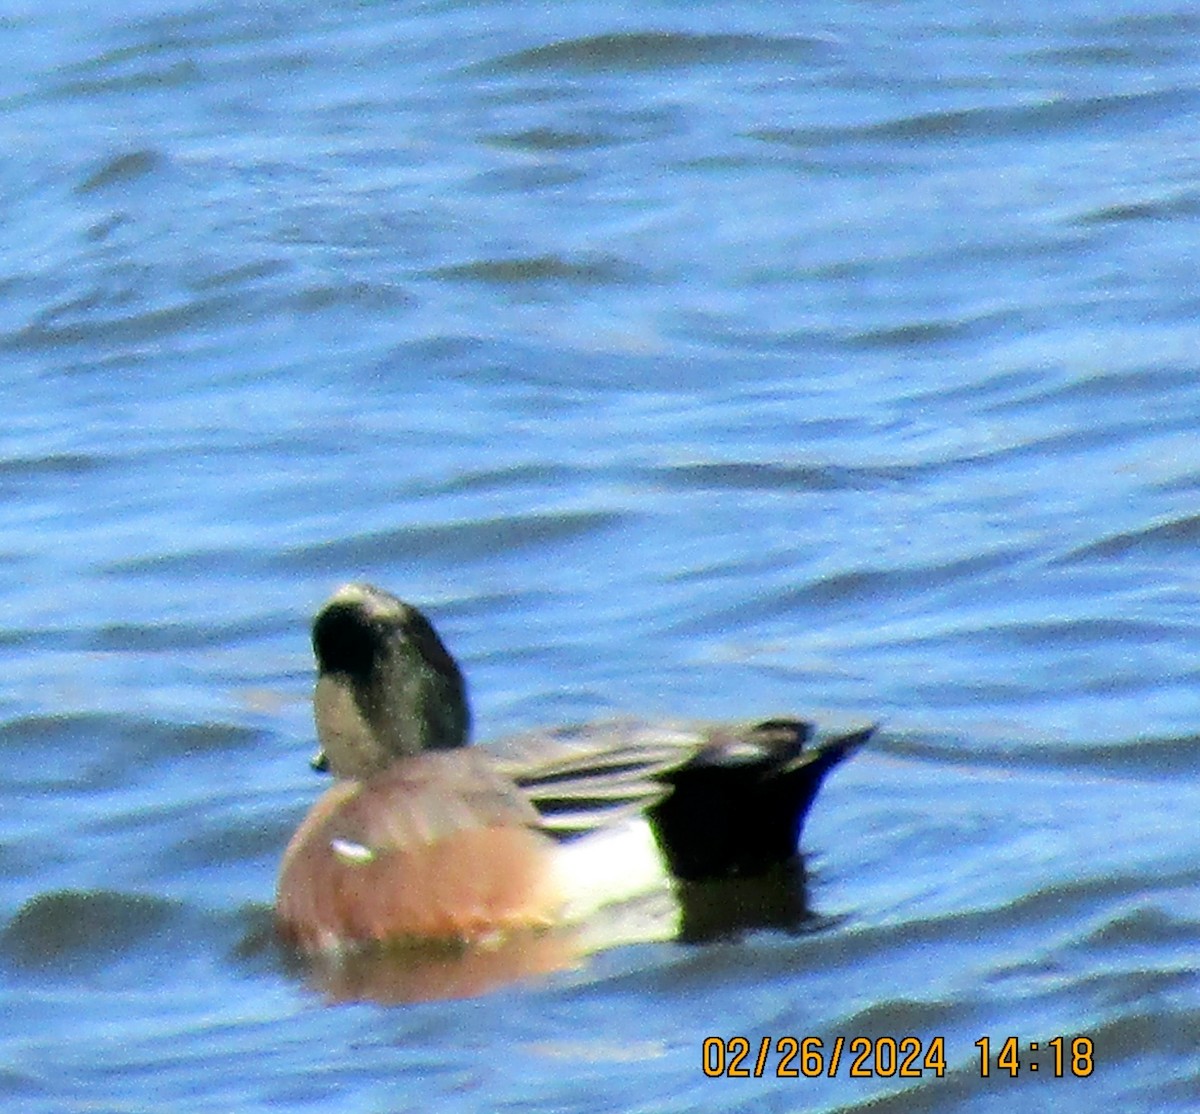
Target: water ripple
(653, 50)
(1176, 535)
(473, 540)
(998, 123)
(69, 933)
(762, 476)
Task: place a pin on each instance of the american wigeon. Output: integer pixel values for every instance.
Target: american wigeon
(422, 838)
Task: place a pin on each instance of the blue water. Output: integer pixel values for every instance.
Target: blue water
(706, 360)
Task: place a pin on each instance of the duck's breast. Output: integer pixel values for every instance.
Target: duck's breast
(437, 850)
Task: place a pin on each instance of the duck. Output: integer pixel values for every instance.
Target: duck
(425, 838)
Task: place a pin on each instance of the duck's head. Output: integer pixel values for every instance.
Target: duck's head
(386, 685)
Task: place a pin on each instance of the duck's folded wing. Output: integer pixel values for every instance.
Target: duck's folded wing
(584, 777)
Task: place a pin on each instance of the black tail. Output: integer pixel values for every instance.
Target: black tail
(737, 813)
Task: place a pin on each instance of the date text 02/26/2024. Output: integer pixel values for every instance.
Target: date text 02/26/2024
(881, 1057)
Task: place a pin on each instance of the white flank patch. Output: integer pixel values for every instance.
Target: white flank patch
(613, 865)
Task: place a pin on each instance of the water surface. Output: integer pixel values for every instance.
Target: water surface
(679, 359)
